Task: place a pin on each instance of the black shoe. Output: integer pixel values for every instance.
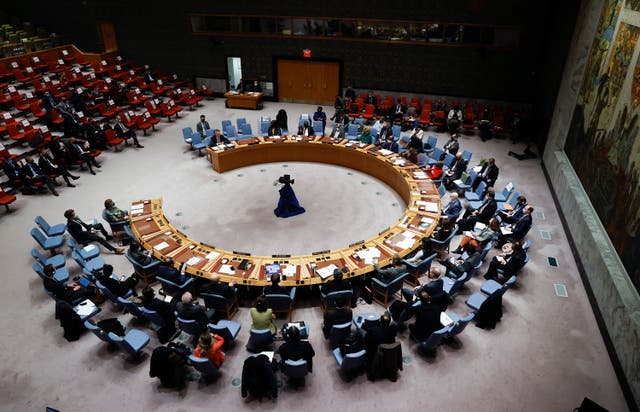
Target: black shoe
(92, 172)
(55, 193)
(70, 185)
(75, 177)
(139, 146)
(98, 165)
(109, 237)
(458, 251)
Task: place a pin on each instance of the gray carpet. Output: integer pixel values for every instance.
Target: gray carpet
(545, 355)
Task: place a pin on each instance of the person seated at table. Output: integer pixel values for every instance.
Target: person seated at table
(435, 171)
(113, 213)
(189, 309)
(455, 172)
(453, 208)
(451, 146)
(262, 316)
(512, 216)
(84, 233)
(411, 155)
(460, 266)
(427, 318)
(479, 240)
(142, 257)
(384, 332)
(241, 87)
(434, 288)
(426, 250)
(337, 133)
(282, 119)
(210, 347)
(216, 287)
(483, 214)
(275, 288)
(336, 316)
(336, 284)
(167, 270)
(274, 129)
(365, 136)
(305, 129)
(32, 175)
(509, 263)
(444, 230)
(164, 309)
(69, 292)
(118, 285)
(52, 168)
(295, 349)
(391, 144)
(255, 87)
(415, 140)
(218, 138)
(202, 126)
(391, 273)
(398, 111)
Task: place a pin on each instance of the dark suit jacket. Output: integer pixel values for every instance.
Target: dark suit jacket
(193, 311)
(453, 209)
(458, 167)
(78, 229)
(521, 227)
(221, 289)
(169, 273)
(301, 131)
(427, 321)
(297, 350)
(334, 286)
(487, 212)
(202, 130)
(468, 264)
(384, 132)
(514, 263)
(452, 147)
(120, 131)
(215, 142)
(47, 164)
(11, 169)
(164, 309)
(492, 174)
(391, 273)
(377, 335)
(30, 170)
(335, 316)
(275, 290)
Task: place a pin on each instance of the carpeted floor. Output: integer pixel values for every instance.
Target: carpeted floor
(546, 354)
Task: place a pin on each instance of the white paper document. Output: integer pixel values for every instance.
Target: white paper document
(289, 270)
(89, 248)
(385, 152)
(84, 308)
(194, 260)
(212, 255)
(326, 271)
(227, 269)
(367, 255)
(161, 246)
(445, 320)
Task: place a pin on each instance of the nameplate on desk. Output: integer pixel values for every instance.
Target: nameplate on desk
(280, 256)
(241, 253)
(384, 230)
(321, 252)
(356, 243)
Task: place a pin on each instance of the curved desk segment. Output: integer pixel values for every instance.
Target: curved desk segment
(153, 230)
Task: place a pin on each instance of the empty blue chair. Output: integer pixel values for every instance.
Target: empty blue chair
(352, 132)
(186, 135)
(526, 245)
(245, 130)
(225, 124)
(506, 192)
(452, 286)
(442, 191)
(295, 370)
(435, 156)
(478, 194)
(228, 329)
(476, 300)
(395, 130)
(282, 303)
(133, 308)
(56, 260)
(339, 333)
(221, 304)
(96, 330)
(208, 371)
(358, 121)
(259, 340)
(318, 130)
(417, 269)
(230, 132)
(382, 291)
(153, 317)
(48, 229)
(197, 143)
(47, 243)
(351, 362)
(467, 184)
(459, 324)
(264, 128)
(240, 121)
(449, 160)
(90, 265)
(433, 341)
(61, 275)
(513, 200)
(107, 293)
(172, 289)
(132, 343)
(466, 155)
(432, 141)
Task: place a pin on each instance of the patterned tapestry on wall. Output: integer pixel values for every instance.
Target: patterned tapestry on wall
(603, 143)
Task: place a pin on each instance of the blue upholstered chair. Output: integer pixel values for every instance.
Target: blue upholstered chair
(113, 298)
(197, 142)
(56, 260)
(459, 324)
(172, 289)
(329, 300)
(208, 371)
(62, 274)
(351, 362)
(187, 132)
(133, 308)
(228, 329)
(478, 194)
(48, 229)
(47, 243)
(295, 370)
(503, 196)
(221, 304)
(430, 345)
(339, 333)
(190, 327)
(382, 291)
(259, 340)
(153, 317)
(419, 268)
(282, 303)
(86, 253)
(132, 343)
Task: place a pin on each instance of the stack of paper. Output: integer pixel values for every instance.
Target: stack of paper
(227, 269)
(161, 246)
(85, 308)
(445, 320)
(89, 247)
(212, 255)
(289, 270)
(194, 260)
(326, 271)
(385, 152)
(367, 255)
(428, 206)
(420, 175)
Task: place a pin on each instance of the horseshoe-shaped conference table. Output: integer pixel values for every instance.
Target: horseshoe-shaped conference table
(153, 230)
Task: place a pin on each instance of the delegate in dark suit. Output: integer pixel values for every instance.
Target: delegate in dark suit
(83, 232)
(221, 289)
(32, 175)
(126, 133)
(510, 264)
(376, 335)
(297, 349)
(335, 316)
(193, 311)
(488, 174)
(452, 210)
(484, 213)
(202, 127)
(427, 321)
(460, 266)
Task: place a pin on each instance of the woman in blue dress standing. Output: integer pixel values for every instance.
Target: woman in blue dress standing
(288, 204)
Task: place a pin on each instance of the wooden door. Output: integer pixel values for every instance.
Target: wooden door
(308, 81)
(108, 37)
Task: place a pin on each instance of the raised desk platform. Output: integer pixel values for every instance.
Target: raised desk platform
(152, 228)
(248, 100)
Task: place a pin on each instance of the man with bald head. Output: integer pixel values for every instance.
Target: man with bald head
(215, 287)
(189, 309)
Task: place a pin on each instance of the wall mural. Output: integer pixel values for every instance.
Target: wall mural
(603, 142)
